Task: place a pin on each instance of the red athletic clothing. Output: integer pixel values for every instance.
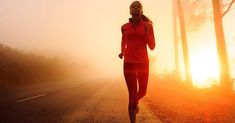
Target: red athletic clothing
(136, 76)
(135, 41)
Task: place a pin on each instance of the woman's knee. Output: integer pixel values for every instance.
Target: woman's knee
(143, 93)
(132, 105)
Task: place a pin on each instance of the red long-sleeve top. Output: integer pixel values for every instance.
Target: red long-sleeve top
(135, 41)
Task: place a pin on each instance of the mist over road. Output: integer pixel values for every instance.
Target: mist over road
(69, 102)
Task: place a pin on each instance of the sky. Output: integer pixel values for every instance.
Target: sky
(89, 31)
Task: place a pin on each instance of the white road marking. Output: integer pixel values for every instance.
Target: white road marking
(26, 99)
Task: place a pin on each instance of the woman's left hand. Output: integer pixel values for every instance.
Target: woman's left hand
(120, 55)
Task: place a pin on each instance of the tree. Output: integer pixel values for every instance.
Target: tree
(184, 41)
(218, 14)
(229, 7)
(225, 79)
(174, 12)
(196, 14)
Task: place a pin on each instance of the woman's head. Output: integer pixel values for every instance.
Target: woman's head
(136, 9)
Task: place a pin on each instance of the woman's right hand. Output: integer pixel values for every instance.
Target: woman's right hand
(120, 55)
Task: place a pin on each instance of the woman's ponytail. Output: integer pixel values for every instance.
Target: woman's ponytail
(145, 18)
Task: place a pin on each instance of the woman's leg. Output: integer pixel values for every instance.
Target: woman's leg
(143, 75)
(131, 81)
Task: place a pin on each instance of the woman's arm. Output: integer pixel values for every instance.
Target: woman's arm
(123, 41)
(150, 36)
(123, 44)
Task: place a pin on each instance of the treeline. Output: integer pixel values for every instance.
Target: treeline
(19, 68)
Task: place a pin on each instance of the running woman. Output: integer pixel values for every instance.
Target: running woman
(137, 34)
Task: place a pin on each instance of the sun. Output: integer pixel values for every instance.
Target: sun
(204, 68)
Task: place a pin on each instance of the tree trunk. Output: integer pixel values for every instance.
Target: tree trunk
(184, 41)
(174, 12)
(225, 80)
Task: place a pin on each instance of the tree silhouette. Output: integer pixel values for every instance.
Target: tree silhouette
(218, 13)
(174, 13)
(184, 41)
(197, 15)
(18, 68)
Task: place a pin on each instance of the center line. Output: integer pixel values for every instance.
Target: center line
(30, 98)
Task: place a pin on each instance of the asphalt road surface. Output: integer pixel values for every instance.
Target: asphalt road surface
(70, 102)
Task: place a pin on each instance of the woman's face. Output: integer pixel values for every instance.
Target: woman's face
(136, 9)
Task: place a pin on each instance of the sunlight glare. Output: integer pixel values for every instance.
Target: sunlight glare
(204, 69)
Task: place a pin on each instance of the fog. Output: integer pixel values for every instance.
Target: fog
(86, 32)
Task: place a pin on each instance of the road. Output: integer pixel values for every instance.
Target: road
(70, 102)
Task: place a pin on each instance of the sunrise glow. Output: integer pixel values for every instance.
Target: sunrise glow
(204, 69)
